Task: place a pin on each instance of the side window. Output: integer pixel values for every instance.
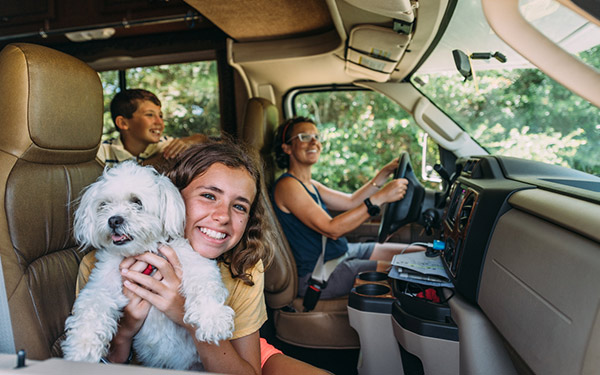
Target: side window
(189, 94)
(362, 131)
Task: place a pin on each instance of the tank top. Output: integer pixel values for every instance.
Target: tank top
(305, 242)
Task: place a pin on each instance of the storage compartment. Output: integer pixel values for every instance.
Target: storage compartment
(425, 328)
(369, 310)
(372, 290)
(372, 276)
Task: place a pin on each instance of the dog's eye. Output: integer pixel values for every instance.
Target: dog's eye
(136, 201)
(101, 205)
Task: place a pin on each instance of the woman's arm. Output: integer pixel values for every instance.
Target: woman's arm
(291, 197)
(339, 201)
(241, 356)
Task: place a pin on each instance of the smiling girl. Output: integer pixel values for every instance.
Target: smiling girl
(219, 183)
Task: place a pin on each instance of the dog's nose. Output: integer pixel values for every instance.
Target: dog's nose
(115, 221)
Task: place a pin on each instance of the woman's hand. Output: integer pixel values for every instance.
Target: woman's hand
(390, 167)
(385, 172)
(163, 292)
(392, 191)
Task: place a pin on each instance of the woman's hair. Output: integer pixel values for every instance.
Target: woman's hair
(282, 136)
(194, 162)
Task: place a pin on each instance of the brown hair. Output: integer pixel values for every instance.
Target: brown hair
(194, 162)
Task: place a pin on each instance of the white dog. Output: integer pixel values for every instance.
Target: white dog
(130, 210)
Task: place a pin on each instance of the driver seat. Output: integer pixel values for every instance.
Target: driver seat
(325, 327)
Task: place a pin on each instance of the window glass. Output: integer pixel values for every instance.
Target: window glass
(512, 108)
(362, 131)
(189, 94)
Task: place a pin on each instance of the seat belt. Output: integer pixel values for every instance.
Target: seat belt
(320, 275)
(7, 342)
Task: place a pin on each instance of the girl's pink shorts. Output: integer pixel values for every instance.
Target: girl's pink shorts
(266, 351)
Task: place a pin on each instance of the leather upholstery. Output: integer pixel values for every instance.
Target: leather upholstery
(260, 122)
(51, 122)
(327, 326)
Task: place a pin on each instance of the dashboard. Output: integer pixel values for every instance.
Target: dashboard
(478, 197)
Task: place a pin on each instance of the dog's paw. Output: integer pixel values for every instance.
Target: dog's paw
(215, 325)
(83, 350)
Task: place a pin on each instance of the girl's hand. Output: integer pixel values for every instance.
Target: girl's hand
(137, 309)
(134, 315)
(163, 292)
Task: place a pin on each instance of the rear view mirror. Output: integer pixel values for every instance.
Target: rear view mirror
(463, 64)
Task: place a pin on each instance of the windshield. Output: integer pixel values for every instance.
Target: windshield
(512, 108)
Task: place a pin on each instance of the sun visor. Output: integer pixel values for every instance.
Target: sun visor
(374, 51)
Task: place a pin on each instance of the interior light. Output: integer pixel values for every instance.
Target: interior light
(86, 35)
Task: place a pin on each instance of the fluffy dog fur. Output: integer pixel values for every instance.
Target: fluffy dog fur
(130, 210)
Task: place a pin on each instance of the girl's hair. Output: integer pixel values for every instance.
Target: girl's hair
(194, 162)
(282, 136)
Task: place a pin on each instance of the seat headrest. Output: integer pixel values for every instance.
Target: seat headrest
(260, 121)
(51, 108)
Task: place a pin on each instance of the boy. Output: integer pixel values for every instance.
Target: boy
(137, 116)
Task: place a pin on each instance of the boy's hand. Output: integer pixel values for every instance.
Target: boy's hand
(178, 145)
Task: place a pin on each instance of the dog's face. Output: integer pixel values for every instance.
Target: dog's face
(128, 209)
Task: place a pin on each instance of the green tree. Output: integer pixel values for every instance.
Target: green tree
(189, 94)
(523, 113)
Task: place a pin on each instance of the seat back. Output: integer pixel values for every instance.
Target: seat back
(327, 326)
(281, 278)
(51, 121)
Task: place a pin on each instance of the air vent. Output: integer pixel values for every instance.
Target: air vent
(469, 165)
(465, 212)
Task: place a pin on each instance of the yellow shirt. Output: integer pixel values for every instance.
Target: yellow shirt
(248, 302)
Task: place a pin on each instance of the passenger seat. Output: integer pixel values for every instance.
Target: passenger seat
(51, 121)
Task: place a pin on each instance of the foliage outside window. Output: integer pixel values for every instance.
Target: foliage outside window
(513, 108)
(362, 131)
(189, 94)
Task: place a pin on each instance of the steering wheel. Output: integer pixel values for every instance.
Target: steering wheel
(407, 210)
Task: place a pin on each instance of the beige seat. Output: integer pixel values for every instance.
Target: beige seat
(327, 326)
(51, 123)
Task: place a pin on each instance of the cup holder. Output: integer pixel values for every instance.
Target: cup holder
(372, 276)
(372, 289)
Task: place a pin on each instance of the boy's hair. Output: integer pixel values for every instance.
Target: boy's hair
(126, 102)
(194, 162)
(282, 136)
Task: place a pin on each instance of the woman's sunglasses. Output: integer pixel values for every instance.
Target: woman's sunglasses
(306, 137)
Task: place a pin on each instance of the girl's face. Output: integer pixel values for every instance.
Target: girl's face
(217, 206)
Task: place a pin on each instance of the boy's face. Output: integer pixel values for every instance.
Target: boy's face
(217, 207)
(146, 125)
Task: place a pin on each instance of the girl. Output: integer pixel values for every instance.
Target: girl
(219, 183)
(301, 205)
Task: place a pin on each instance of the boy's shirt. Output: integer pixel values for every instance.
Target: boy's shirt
(113, 152)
